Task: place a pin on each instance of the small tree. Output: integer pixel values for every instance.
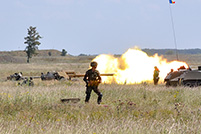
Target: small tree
(49, 53)
(63, 52)
(32, 41)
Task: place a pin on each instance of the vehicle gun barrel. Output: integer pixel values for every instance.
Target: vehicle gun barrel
(36, 77)
(73, 75)
(106, 74)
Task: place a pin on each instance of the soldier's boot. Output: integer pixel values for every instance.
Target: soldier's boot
(87, 98)
(99, 98)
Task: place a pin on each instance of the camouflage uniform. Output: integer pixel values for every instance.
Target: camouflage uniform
(28, 82)
(92, 79)
(156, 75)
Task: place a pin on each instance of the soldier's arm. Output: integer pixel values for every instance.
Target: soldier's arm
(99, 77)
(86, 77)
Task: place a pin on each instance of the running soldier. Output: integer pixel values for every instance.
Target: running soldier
(93, 79)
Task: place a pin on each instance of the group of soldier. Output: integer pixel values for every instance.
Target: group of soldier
(29, 80)
(19, 77)
(92, 79)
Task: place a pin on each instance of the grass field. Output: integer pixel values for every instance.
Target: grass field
(136, 109)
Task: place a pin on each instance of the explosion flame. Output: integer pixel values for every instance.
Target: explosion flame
(134, 67)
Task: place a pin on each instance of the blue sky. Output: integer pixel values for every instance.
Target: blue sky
(100, 26)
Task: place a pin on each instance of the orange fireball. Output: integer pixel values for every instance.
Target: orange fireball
(134, 66)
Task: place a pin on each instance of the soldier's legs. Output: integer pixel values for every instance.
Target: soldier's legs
(88, 94)
(100, 95)
(156, 81)
(99, 100)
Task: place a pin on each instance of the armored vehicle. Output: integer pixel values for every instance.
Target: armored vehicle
(185, 77)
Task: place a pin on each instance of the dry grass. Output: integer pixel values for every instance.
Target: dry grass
(125, 108)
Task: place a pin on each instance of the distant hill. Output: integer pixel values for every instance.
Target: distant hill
(171, 51)
(39, 53)
(43, 56)
(42, 53)
(20, 56)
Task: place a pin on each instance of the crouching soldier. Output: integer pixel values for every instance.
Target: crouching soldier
(28, 82)
(92, 79)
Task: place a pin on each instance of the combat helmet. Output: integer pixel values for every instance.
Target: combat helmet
(94, 64)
